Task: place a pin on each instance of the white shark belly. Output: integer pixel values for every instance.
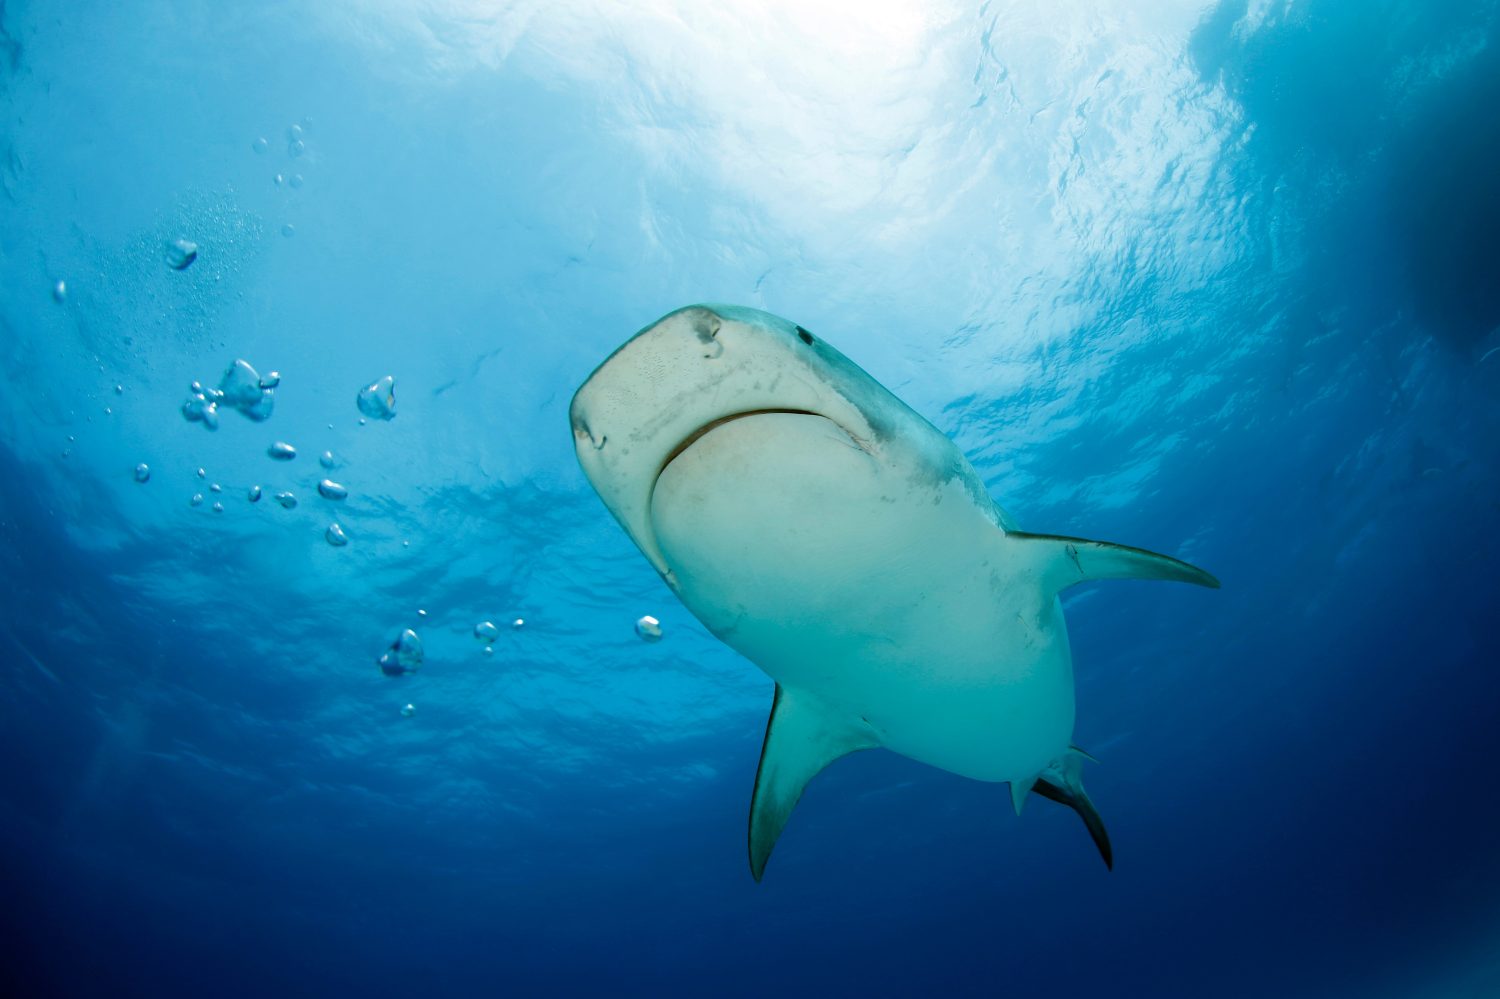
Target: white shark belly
(879, 590)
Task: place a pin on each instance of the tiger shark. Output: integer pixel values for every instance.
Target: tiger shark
(828, 533)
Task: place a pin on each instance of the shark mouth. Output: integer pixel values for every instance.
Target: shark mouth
(713, 425)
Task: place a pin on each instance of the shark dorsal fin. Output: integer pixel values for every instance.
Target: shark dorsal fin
(802, 737)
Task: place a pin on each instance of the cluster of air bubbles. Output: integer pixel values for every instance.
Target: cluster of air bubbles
(377, 400)
(296, 146)
(335, 535)
(649, 628)
(404, 655)
(241, 388)
(281, 451)
(181, 253)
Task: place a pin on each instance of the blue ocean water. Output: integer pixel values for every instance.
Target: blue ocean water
(1218, 279)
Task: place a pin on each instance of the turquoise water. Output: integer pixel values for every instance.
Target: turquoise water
(1214, 279)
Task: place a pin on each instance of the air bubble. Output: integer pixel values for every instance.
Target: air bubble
(218, 507)
(282, 451)
(181, 253)
(408, 710)
(486, 631)
(404, 655)
(287, 500)
(295, 147)
(143, 472)
(649, 628)
(518, 623)
(329, 489)
(326, 459)
(197, 500)
(60, 291)
(199, 408)
(215, 488)
(202, 474)
(260, 145)
(378, 399)
(335, 536)
(295, 180)
(253, 495)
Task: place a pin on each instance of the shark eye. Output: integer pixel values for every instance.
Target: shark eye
(807, 337)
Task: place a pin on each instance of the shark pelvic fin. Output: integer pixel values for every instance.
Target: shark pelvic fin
(1065, 561)
(1062, 782)
(802, 737)
(1018, 792)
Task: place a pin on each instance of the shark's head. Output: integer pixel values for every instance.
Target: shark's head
(697, 369)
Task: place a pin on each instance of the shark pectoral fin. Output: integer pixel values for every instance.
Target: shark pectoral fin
(1065, 561)
(1063, 783)
(802, 737)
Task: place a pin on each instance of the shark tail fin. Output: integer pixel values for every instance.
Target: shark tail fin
(802, 737)
(1064, 561)
(1062, 782)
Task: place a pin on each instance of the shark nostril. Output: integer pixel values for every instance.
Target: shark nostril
(581, 433)
(706, 325)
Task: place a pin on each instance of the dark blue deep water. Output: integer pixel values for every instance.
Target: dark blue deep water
(1219, 279)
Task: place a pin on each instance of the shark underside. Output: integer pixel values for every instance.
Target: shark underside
(840, 542)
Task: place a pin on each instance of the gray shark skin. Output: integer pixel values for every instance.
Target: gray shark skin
(822, 529)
